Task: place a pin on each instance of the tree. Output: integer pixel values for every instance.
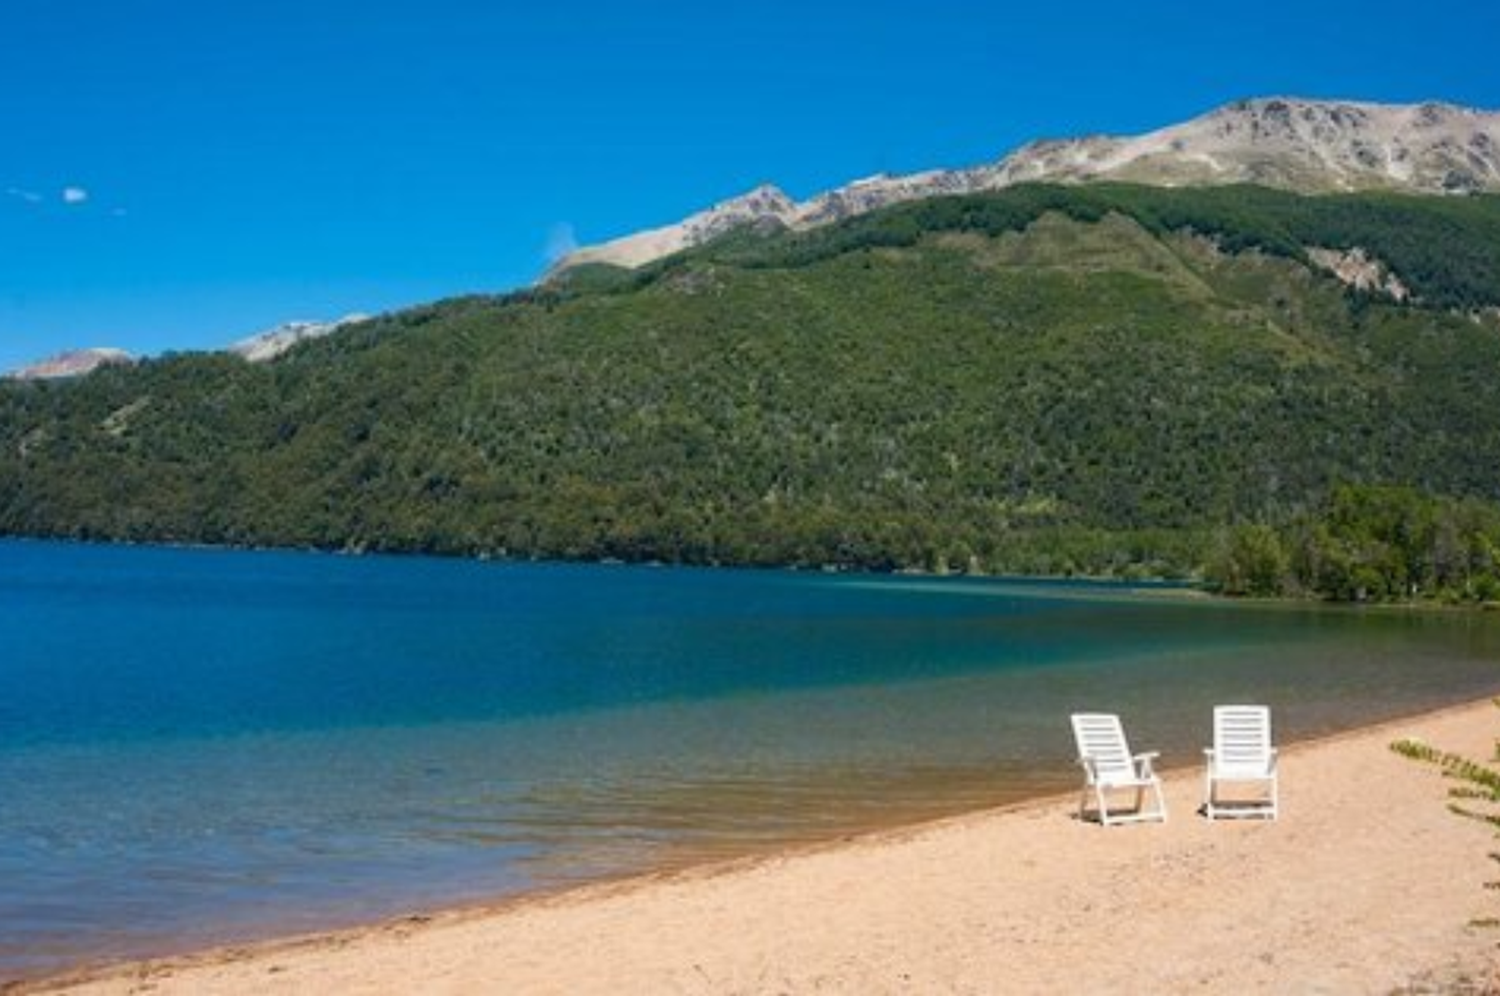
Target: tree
(1252, 561)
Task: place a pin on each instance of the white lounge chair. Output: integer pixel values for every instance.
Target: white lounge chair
(1109, 765)
(1242, 753)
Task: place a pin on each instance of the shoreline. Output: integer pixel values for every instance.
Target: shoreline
(303, 960)
(1148, 587)
(1164, 587)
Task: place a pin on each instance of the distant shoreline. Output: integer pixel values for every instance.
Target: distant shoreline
(963, 879)
(1145, 585)
(1154, 587)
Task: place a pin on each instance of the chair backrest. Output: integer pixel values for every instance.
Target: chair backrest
(1242, 736)
(1101, 741)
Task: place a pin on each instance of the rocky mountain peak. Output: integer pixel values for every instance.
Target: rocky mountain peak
(1310, 146)
(272, 343)
(258, 348)
(73, 363)
(765, 205)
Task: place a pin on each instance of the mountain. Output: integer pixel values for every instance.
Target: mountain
(1308, 146)
(268, 345)
(765, 205)
(74, 363)
(259, 348)
(1043, 378)
(1303, 145)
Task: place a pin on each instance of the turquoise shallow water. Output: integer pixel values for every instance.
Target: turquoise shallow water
(198, 746)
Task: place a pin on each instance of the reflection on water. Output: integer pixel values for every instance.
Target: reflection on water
(203, 746)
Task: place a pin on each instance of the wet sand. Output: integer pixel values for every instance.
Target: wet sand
(1366, 884)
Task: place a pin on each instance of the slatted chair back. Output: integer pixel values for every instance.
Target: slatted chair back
(1242, 738)
(1101, 742)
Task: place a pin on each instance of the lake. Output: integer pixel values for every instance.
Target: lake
(201, 746)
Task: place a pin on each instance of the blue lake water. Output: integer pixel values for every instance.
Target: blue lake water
(199, 746)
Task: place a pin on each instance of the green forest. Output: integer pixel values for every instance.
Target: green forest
(1368, 543)
(1108, 380)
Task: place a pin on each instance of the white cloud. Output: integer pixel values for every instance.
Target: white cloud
(29, 196)
(561, 241)
(74, 195)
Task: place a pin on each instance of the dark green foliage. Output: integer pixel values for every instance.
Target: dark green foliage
(1037, 381)
(1446, 250)
(1370, 544)
(1251, 561)
(594, 278)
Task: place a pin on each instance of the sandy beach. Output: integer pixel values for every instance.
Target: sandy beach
(1366, 885)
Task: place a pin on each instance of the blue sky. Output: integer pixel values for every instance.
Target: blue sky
(178, 174)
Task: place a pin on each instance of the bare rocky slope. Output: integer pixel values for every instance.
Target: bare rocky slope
(260, 348)
(1308, 146)
(73, 363)
(272, 343)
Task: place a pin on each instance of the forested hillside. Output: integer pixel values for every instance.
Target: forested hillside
(1045, 379)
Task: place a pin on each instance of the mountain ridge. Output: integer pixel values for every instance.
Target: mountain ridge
(1280, 142)
(1308, 146)
(1042, 379)
(71, 363)
(261, 347)
(265, 346)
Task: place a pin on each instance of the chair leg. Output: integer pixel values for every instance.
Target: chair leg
(1103, 807)
(1242, 808)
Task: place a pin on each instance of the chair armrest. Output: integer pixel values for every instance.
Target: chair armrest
(1143, 763)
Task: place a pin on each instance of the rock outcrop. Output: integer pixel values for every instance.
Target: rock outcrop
(270, 344)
